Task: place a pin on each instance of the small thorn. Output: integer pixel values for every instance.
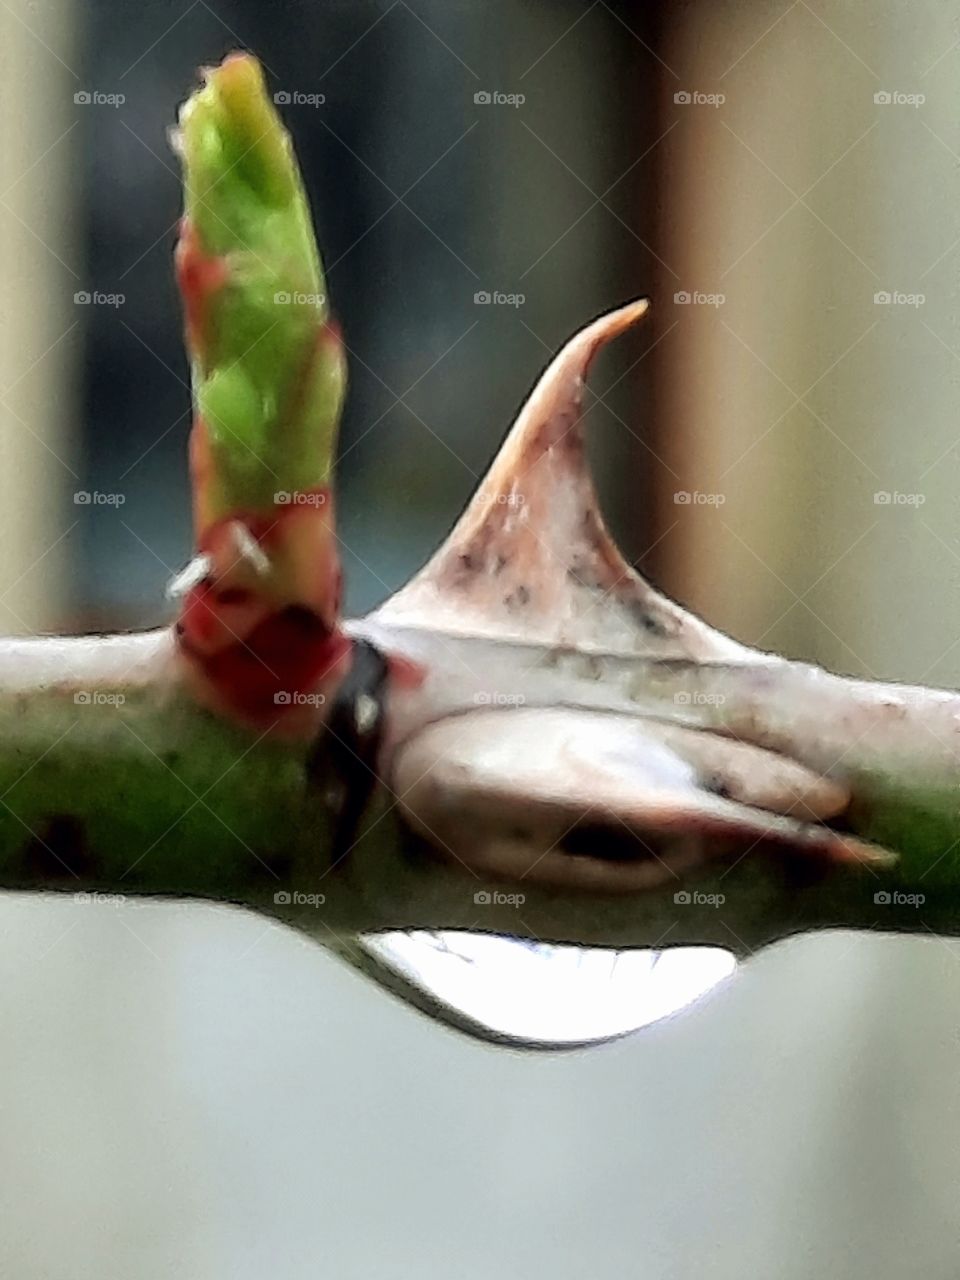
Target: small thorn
(189, 577)
(365, 713)
(248, 549)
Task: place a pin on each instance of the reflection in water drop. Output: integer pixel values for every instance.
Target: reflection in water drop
(545, 995)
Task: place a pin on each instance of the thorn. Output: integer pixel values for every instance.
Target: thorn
(189, 577)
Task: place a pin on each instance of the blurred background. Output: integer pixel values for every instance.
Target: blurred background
(184, 1092)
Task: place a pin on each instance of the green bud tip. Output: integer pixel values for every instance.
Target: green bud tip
(267, 365)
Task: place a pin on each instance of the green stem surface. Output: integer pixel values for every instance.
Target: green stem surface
(113, 781)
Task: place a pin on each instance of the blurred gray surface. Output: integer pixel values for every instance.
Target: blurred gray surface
(187, 1092)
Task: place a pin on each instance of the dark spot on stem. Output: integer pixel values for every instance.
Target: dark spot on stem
(517, 598)
(301, 618)
(583, 578)
(58, 851)
(652, 622)
(593, 840)
(277, 869)
(803, 870)
(592, 529)
(233, 595)
(716, 784)
(592, 668)
(342, 764)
